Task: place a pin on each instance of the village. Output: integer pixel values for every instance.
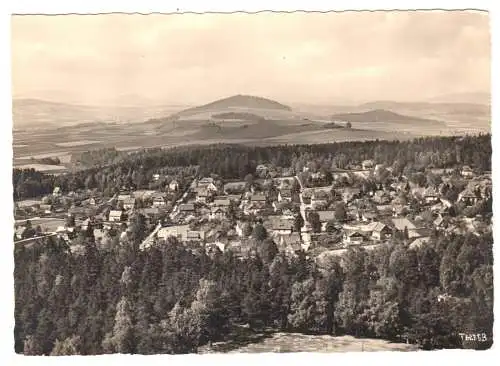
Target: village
(319, 212)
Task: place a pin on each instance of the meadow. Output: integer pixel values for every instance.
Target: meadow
(263, 342)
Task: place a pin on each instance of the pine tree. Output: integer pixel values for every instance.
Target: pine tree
(121, 340)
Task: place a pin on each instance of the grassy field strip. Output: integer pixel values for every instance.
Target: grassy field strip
(295, 342)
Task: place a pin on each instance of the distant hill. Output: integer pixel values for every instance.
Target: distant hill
(483, 98)
(382, 115)
(41, 113)
(236, 101)
(449, 108)
(37, 113)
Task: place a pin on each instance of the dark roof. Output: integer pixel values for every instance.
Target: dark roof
(379, 227)
(285, 192)
(326, 215)
(280, 223)
(235, 185)
(257, 197)
(292, 240)
(206, 180)
(431, 192)
(401, 223)
(151, 211)
(350, 233)
(468, 193)
(222, 201)
(186, 207)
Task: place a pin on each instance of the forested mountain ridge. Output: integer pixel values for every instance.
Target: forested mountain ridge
(236, 161)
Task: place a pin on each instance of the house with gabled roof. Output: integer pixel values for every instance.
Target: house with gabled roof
(202, 195)
(442, 207)
(325, 216)
(353, 237)
(261, 170)
(399, 210)
(419, 242)
(367, 164)
(439, 222)
(468, 197)
(380, 231)
(218, 213)
(257, 197)
(129, 203)
(349, 194)
(280, 225)
(46, 208)
(186, 208)
(402, 222)
(285, 195)
(414, 231)
(122, 197)
(431, 195)
(234, 187)
(290, 244)
(467, 171)
(208, 184)
(369, 216)
(182, 232)
(287, 172)
(384, 210)
(206, 180)
(195, 236)
(319, 198)
(222, 201)
(116, 216)
(381, 197)
(173, 186)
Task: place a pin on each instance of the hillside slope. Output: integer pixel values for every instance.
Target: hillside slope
(382, 115)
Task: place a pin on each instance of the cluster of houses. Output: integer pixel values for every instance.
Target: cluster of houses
(222, 214)
(297, 214)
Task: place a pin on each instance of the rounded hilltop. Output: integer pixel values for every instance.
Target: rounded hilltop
(237, 101)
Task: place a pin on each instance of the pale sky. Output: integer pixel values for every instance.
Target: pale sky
(194, 59)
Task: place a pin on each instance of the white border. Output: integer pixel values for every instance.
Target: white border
(147, 6)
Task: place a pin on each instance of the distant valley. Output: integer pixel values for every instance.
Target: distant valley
(48, 129)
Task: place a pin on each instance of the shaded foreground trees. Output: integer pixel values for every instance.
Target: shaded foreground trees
(171, 299)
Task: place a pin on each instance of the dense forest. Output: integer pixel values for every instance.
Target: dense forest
(174, 298)
(110, 169)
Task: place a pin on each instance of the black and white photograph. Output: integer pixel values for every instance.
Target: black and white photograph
(267, 182)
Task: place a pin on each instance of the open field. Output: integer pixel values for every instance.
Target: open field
(77, 143)
(335, 135)
(49, 224)
(43, 167)
(294, 342)
(27, 203)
